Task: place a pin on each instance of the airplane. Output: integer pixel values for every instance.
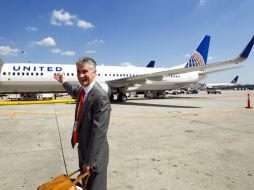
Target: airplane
(222, 85)
(38, 77)
(244, 86)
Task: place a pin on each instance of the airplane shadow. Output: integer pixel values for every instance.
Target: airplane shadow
(168, 98)
(152, 105)
(157, 105)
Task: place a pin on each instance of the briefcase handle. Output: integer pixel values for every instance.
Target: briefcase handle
(81, 176)
(71, 174)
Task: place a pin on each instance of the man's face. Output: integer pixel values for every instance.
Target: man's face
(85, 74)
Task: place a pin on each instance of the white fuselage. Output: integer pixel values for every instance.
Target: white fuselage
(219, 85)
(30, 77)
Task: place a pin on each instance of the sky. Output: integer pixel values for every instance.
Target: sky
(127, 32)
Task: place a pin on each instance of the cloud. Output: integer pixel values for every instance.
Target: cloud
(126, 63)
(62, 17)
(6, 50)
(95, 42)
(90, 51)
(201, 2)
(56, 51)
(46, 42)
(61, 52)
(187, 55)
(31, 29)
(68, 53)
(84, 24)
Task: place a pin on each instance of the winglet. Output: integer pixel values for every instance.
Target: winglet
(247, 49)
(199, 57)
(151, 64)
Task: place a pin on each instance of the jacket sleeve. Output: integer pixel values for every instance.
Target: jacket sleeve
(72, 89)
(101, 117)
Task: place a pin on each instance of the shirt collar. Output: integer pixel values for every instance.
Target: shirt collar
(89, 87)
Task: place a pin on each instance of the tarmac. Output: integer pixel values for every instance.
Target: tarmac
(184, 142)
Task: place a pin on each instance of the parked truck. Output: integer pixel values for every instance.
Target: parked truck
(31, 96)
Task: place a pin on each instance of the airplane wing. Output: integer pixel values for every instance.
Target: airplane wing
(188, 68)
(218, 70)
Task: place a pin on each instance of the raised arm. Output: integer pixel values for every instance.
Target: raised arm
(70, 87)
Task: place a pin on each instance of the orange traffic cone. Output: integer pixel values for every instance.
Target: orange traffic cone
(248, 101)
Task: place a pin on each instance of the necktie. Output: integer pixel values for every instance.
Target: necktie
(80, 106)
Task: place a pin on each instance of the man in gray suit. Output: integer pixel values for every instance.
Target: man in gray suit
(92, 116)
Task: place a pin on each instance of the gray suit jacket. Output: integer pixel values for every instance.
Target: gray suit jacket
(92, 132)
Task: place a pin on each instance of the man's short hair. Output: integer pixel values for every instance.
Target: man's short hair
(87, 60)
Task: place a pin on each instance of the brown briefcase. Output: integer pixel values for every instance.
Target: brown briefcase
(65, 182)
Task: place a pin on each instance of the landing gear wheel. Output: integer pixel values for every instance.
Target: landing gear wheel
(121, 98)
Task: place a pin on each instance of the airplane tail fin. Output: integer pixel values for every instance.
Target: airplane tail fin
(151, 64)
(234, 81)
(199, 57)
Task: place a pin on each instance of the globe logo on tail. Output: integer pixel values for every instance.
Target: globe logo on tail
(195, 60)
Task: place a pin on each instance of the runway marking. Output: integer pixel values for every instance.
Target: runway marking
(15, 113)
(37, 102)
(184, 114)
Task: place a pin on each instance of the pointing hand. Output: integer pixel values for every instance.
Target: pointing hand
(59, 77)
